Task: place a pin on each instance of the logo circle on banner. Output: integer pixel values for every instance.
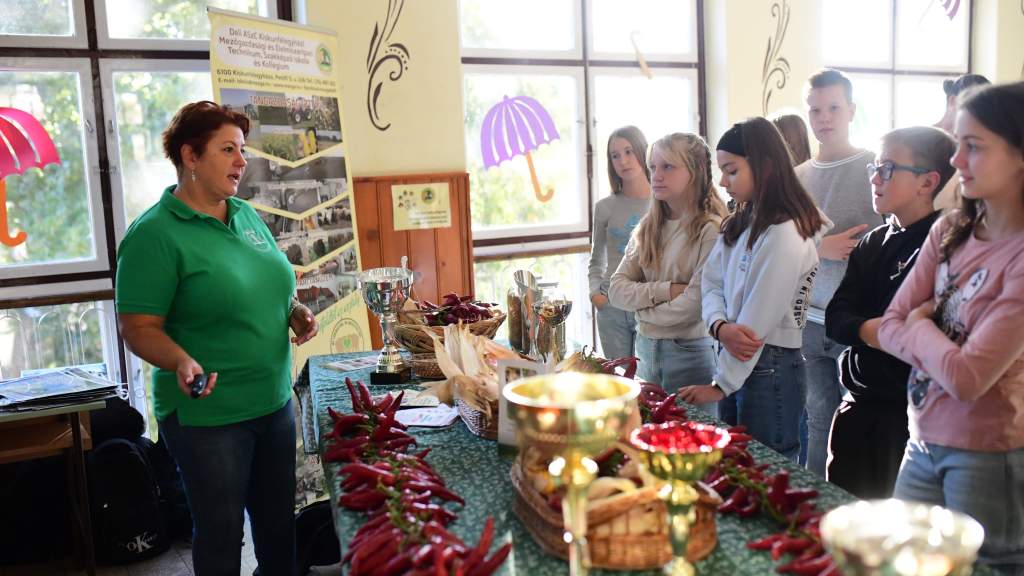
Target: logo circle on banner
(345, 336)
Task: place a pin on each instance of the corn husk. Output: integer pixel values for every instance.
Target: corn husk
(462, 358)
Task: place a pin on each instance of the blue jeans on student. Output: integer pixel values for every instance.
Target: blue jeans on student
(771, 400)
(248, 465)
(824, 392)
(617, 330)
(674, 363)
(987, 486)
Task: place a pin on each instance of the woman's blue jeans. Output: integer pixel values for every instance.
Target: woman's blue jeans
(771, 400)
(987, 486)
(617, 329)
(226, 469)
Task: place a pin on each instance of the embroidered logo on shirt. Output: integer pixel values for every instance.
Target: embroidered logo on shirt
(948, 301)
(258, 242)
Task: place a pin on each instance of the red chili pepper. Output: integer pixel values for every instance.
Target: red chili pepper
(480, 551)
(488, 567)
(347, 423)
(399, 564)
(765, 543)
(734, 501)
(357, 405)
(830, 570)
(363, 500)
(376, 559)
(788, 545)
(752, 508)
(438, 490)
(777, 492)
(658, 416)
(795, 497)
(740, 438)
(364, 395)
(806, 567)
(397, 443)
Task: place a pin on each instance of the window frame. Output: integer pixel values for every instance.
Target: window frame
(100, 261)
(109, 66)
(106, 42)
(78, 38)
(692, 55)
(576, 74)
(575, 53)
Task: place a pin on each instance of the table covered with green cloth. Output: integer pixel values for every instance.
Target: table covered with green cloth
(473, 468)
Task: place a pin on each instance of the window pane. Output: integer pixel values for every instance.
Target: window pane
(37, 17)
(493, 279)
(170, 19)
(657, 106)
(521, 25)
(920, 101)
(145, 103)
(617, 24)
(52, 206)
(927, 38)
(856, 33)
(503, 196)
(57, 336)
(872, 95)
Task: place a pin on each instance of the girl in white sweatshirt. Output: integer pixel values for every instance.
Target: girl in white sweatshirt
(756, 286)
(659, 275)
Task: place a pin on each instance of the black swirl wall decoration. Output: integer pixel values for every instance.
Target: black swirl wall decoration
(384, 56)
(775, 72)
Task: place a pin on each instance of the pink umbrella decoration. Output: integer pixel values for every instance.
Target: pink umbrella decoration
(24, 144)
(517, 126)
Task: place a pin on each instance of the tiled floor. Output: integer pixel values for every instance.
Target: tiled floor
(177, 561)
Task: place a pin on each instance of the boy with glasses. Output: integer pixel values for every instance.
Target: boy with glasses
(836, 180)
(869, 430)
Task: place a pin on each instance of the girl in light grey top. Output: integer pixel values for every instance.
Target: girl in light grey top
(659, 276)
(615, 217)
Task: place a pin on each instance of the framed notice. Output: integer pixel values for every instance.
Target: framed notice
(421, 206)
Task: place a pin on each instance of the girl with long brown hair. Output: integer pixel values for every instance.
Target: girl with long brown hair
(659, 276)
(755, 288)
(956, 321)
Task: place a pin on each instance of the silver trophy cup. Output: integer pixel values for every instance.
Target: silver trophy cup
(385, 290)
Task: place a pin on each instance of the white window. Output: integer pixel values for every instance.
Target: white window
(165, 24)
(896, 53)
(43, 23)
(59, 207)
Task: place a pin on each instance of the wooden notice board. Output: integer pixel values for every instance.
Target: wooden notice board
(441, 258)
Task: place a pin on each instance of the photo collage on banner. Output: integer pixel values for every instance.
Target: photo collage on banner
(282, 77)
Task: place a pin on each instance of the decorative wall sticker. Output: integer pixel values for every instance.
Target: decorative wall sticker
(775, 66)
(24, 144)
(394, 57)
(517, 126)
(951, 7)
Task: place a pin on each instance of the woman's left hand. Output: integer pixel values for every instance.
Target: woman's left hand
(303, 323)
(700, 394)
(922, 312)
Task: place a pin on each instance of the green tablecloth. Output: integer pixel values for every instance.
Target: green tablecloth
(473, 468)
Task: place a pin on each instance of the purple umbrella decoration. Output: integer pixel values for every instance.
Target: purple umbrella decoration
(513, 127)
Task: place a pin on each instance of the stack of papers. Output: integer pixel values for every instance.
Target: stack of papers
(51, 389)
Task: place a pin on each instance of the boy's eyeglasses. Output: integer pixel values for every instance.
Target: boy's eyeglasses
(885, 170)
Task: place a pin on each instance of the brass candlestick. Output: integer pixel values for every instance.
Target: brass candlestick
(893, 537)
(679, 453)
(572, 416)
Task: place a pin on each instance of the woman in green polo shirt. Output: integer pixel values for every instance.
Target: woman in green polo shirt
(203, 289)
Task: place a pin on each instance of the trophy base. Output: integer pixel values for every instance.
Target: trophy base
(402, 376)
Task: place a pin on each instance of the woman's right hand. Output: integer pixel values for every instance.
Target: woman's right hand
(599, 300)
(187, 370)
(739, 340)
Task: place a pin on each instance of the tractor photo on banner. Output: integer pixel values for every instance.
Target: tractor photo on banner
(282, 77)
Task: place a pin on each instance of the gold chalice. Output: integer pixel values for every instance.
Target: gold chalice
(572, 416)
(679, 453)
(893, 537)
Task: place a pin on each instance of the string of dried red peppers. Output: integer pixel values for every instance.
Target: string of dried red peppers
(748, 490)
(405, 532)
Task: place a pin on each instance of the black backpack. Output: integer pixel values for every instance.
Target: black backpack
(316, 538)
(128, 524)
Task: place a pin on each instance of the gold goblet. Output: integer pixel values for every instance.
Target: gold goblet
(679, 453)
(868, 538)
(572, 416)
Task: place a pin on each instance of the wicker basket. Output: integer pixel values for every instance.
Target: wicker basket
(425, 367)
(413, 338)
(479, 423)
(625, 551)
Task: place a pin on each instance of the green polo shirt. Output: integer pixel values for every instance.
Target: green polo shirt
(224, 293)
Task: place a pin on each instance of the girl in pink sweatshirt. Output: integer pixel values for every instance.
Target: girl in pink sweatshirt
(957, 321)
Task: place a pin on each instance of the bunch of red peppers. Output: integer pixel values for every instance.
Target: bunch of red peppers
(748, 489)
(405, 532)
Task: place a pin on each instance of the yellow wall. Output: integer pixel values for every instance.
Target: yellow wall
(424, 106)
(998, 44)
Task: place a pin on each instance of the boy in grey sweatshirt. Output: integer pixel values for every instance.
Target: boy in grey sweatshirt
(837, 180)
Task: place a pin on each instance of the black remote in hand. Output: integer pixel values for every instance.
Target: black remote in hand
(198, 385)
